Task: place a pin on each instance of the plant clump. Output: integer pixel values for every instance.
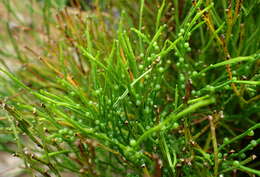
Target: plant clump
(132, 88)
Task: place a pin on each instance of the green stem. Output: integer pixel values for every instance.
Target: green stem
(141, 23)
(249, 170)
(239, 136)
(173, 118)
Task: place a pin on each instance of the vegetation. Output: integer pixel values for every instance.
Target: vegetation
(131, 88)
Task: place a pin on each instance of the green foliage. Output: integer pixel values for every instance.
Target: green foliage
(133, 88)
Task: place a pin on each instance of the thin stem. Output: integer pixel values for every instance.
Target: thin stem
(215, 144)
(239, 136)
(173, 118)
(141, 23)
